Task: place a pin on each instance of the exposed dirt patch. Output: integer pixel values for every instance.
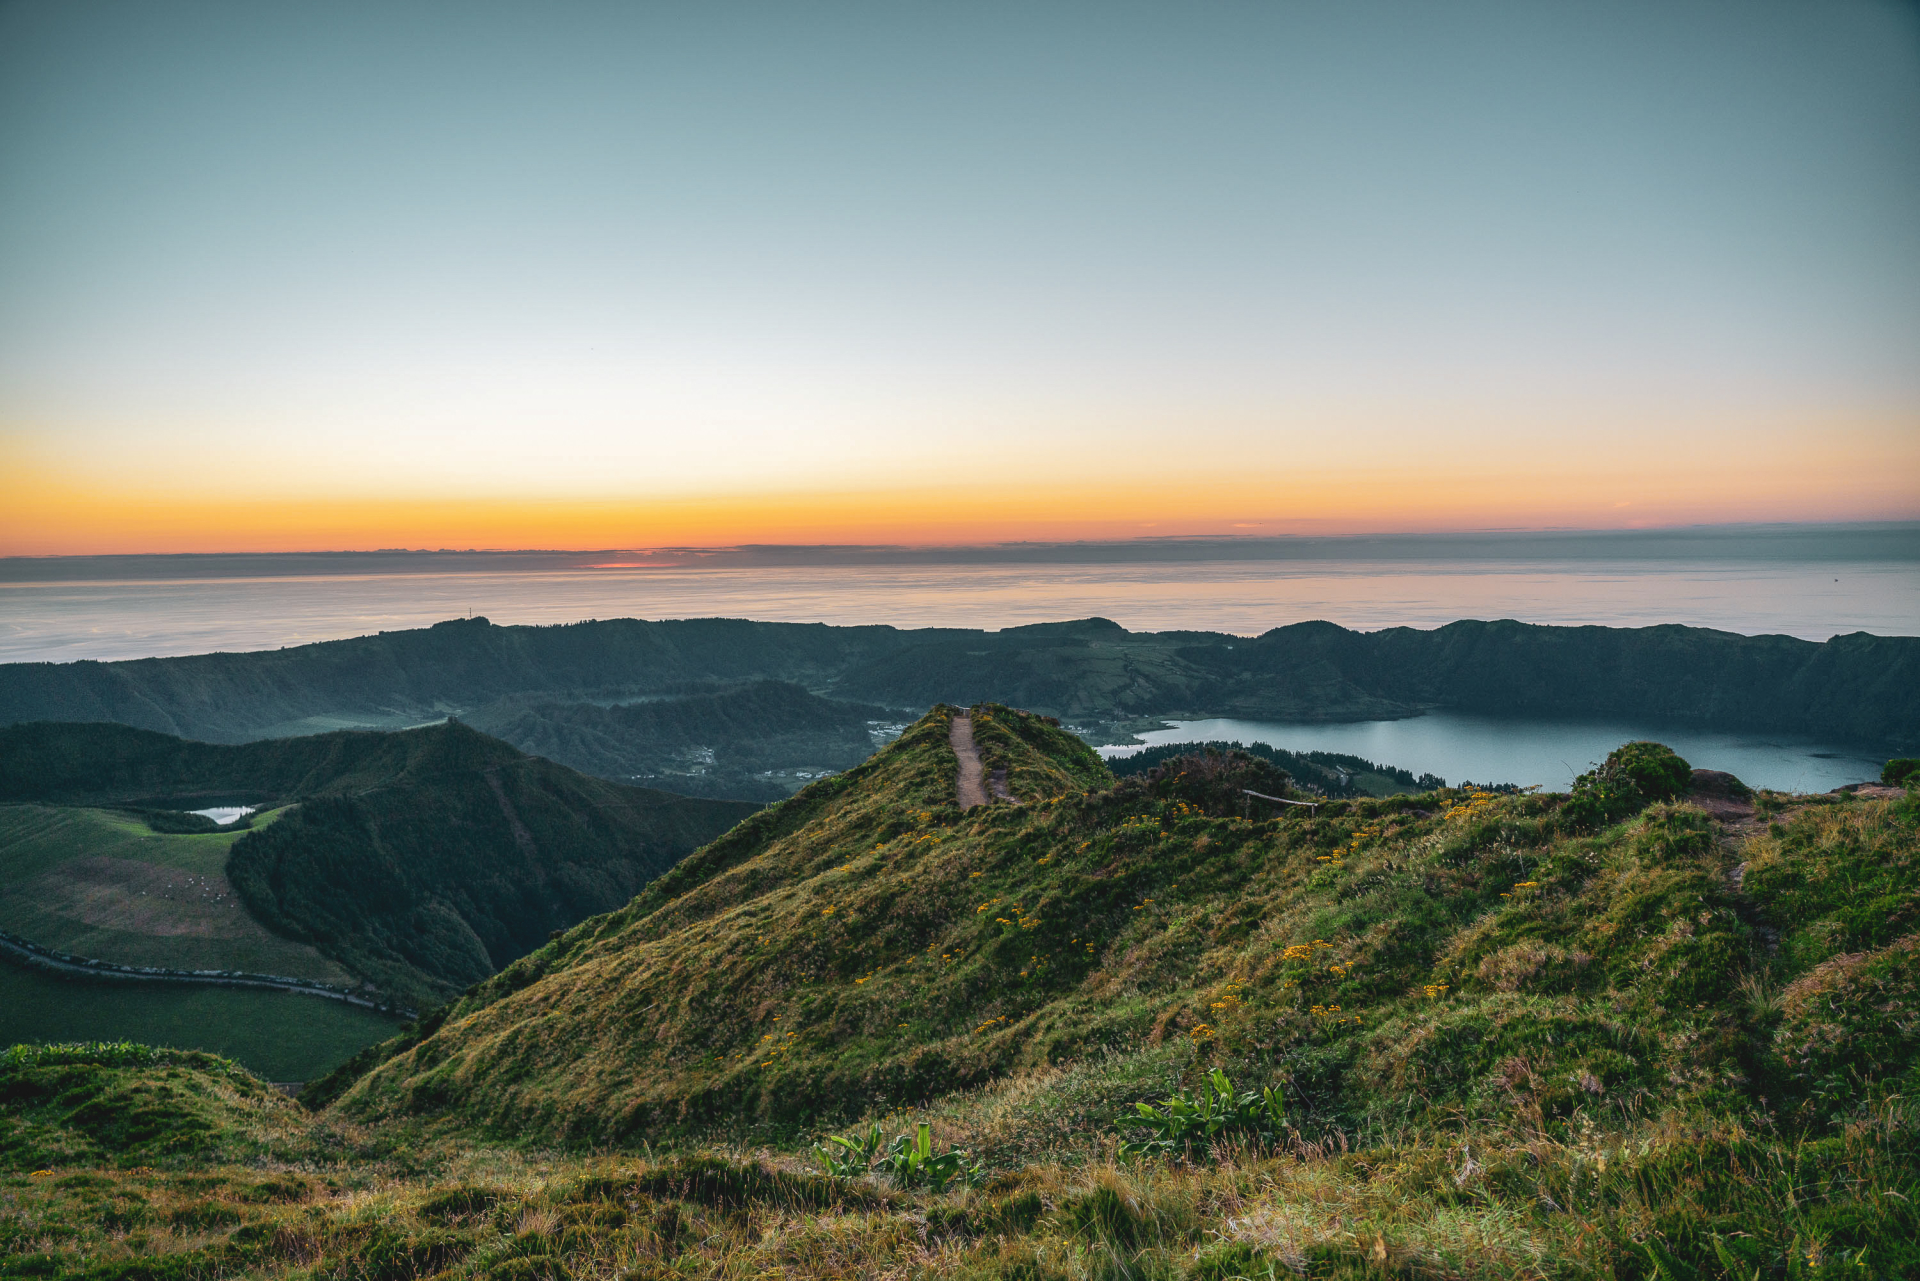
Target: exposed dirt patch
(1722, 796)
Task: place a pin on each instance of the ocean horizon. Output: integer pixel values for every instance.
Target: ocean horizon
(1810, 583)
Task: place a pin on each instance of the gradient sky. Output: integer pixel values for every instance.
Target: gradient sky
(305, 275)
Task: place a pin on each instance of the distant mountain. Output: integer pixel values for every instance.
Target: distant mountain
(1859, 687)
(422, 861)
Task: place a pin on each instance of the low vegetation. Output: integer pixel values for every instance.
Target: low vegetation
(1455, 1034)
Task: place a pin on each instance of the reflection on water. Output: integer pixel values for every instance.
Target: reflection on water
(134, 619)
(1498, 750)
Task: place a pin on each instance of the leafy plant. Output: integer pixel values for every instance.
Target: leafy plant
(910, 1161)
(848, 1156)
(1903, 769)
(1199, 1117)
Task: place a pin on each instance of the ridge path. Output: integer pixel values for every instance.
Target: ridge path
(971, 783)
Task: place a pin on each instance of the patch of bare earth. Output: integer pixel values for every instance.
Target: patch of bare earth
(971, 785)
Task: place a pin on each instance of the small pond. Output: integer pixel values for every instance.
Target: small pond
(225, 814)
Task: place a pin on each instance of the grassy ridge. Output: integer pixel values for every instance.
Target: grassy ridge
(676, 992)
(1402, 963)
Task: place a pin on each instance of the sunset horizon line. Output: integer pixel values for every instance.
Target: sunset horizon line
(684, 554)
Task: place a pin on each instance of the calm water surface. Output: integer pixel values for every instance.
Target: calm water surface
(62, 621)
(1499, 750)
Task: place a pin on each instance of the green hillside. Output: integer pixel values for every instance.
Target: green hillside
(122, 1103)
(417, 861)
(281, 1036)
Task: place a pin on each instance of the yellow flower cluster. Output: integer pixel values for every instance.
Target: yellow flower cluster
(1229, 1000)
(1340, 852)
(1477, 802)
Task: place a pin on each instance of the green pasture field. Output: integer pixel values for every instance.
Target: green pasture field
(281, 1036)
(101, 884)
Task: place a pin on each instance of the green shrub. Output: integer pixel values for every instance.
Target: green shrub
(1900, 770)
(1632, 777)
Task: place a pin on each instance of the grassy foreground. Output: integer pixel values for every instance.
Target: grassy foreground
(1634, 1033)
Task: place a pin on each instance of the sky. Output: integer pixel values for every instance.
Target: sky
(344, 275)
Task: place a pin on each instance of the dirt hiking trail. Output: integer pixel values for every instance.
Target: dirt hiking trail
(972, 781)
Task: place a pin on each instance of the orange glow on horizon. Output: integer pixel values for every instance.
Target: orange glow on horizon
(43, 513)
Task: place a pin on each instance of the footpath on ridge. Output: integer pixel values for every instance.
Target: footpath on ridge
(972, 780)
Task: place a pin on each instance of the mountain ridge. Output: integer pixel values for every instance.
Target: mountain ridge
(1858, 687)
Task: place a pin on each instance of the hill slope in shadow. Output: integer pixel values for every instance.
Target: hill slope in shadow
(422, 860)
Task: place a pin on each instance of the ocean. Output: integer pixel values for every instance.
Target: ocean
(116, 608)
